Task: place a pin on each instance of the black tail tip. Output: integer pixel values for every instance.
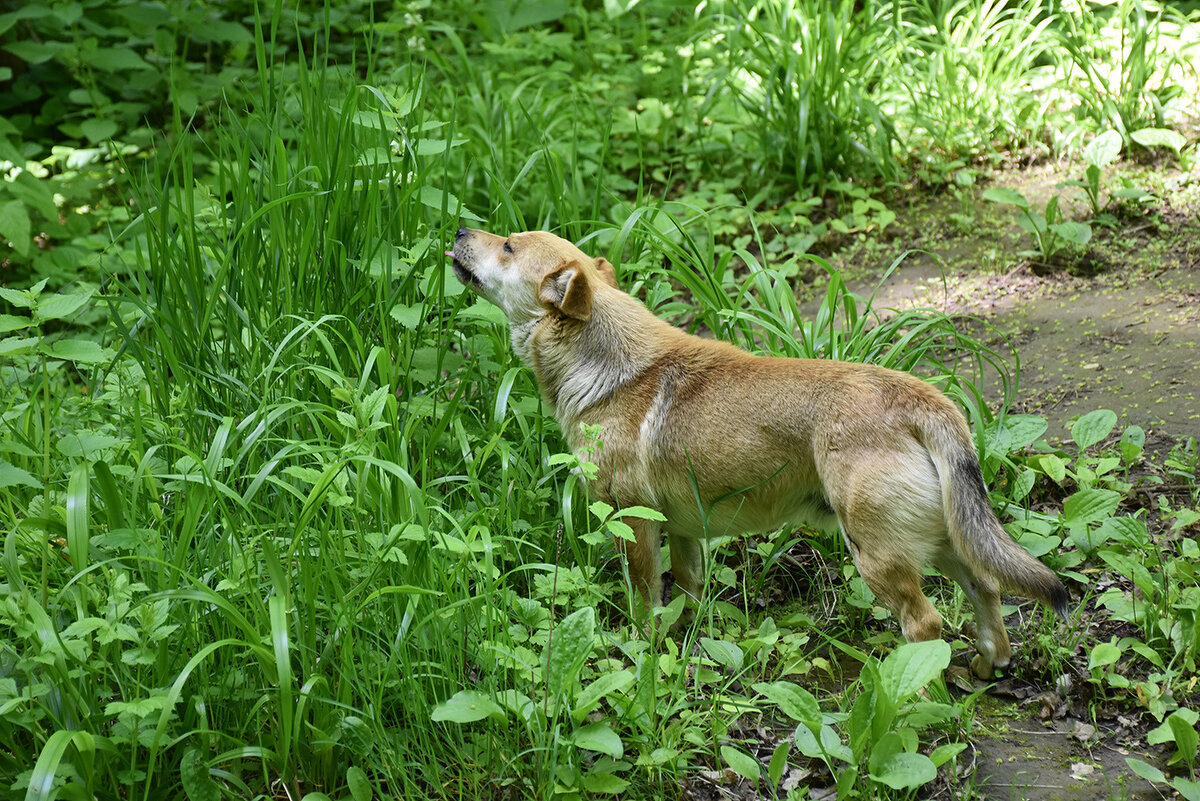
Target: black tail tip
(1059, 600)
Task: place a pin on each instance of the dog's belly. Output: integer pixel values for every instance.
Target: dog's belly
(756, 510)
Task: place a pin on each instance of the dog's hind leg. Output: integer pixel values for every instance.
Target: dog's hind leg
(992, 639)
(889, 508)
(897, 584)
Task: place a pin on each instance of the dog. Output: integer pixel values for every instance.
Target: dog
(720, 441)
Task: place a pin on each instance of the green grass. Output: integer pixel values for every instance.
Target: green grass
(283, 516)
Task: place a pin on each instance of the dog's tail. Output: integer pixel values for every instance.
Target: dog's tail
(975, 532)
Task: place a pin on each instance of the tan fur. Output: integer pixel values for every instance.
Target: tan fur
(763, 441)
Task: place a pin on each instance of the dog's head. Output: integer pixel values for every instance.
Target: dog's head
(530, 274)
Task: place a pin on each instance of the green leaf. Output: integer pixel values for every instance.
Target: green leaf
(1093, 427)
(1053, 467)
(433, 147)
(725, 653)
(1165, 732)
(1186, 739)
(1076, 233)
(1133, 440)
(80, 351)
(599, 508)
(913, 665)
(1022, 430)
(432, 197)
(78, 519)
(741, 763)
(795, 702)
(41, 780)
(197, 782)
(220, 30)
(641, 513)
(15, 346)
(599, 737)
(98, 130)
(11, 322)
(1104, 149)
(1146, 770)
(484, 312)
(467, 706)
(36, 194)
(606, 783)
(15, 226)
(408, 316)
(906, 771)
(21, 298)
(59, 307)
(1104, 654)
(829, 743)
(605, 685)
(570, 644)
(359, 784)
(114, 59)
(1009, 197)
(34, 52)
(779, 760)
(886, 747)
(945, 752)
(1089, 505)
(13, 476)
(1187, 788)
(1023, 483)
(1159, 137)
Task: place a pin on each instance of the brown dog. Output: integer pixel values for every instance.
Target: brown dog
(720, 441)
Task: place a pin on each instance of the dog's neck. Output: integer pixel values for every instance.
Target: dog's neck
(580, 363)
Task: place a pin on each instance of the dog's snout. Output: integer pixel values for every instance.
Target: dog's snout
(460, 234)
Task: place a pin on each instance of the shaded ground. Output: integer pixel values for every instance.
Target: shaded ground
(1067, 760)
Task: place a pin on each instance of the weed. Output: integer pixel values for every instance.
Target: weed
(1053, 237)
(802, 69)
(1121, 61)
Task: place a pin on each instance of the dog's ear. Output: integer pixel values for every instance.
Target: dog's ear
(607, 272)
(567, 289)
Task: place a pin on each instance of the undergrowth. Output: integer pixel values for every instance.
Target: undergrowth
(284, 517)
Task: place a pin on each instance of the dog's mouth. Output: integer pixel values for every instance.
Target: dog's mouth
(462, 273)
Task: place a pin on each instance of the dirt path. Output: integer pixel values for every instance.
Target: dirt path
(1036, 761)
(1132, 346)
(1126, 337)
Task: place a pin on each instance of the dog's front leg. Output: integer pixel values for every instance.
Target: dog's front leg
(642, 559)
(687, 564)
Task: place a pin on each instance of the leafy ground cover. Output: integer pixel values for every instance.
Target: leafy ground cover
(284, 518)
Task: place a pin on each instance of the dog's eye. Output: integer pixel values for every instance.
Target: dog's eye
(507, 246)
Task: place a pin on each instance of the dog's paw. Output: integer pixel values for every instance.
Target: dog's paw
(985, 669)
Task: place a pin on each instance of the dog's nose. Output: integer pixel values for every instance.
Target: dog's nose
(461, 233)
